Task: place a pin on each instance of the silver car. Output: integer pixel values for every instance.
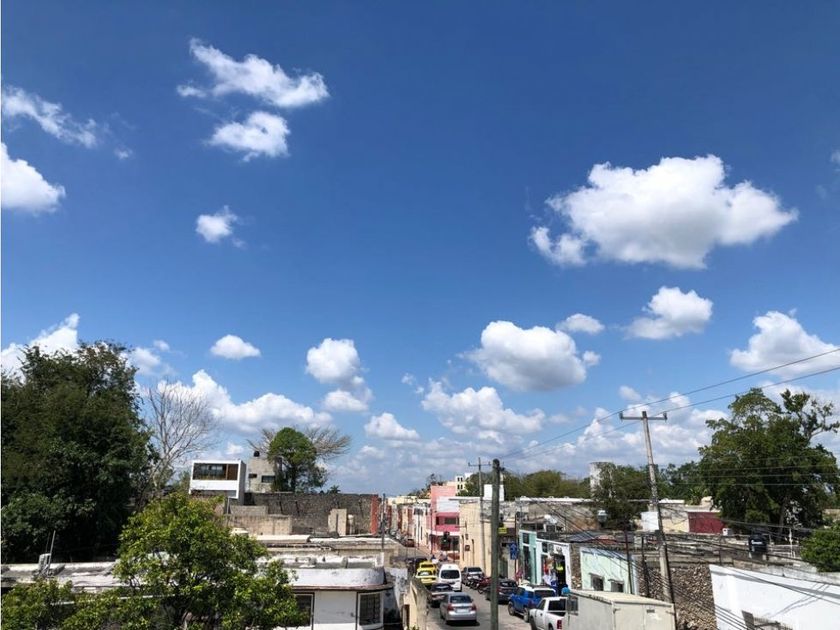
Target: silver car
(457, 607)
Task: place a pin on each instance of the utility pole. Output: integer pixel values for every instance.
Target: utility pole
(494, 548)
(481, 511)
(664, 569)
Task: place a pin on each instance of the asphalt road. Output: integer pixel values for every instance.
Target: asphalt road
(506, 622)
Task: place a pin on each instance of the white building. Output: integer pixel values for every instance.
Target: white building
(341, 593)
(775, 598)
(218, 477)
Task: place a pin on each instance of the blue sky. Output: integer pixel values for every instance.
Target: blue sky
(433, 190)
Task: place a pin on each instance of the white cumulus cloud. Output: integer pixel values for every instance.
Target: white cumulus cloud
(629, 394)
(672, 313)
(534, 359)
(216, 227)
(233, 347)
(334, 361)
(63, 336)
(385, 426)
(471, 409)
(24, 189)
(255, 77)
(269, 410)
(581, 323)
(51, 117)
(261, 134)
(674, 212)
(343, 401)
(781, 339)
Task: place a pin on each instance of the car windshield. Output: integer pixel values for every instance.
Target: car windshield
(544, 592)
(460, 599)
(424, 573)
(441, 587)
(450, 574)
(508, 583)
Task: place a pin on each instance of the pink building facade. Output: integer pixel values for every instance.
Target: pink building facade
(444, 526)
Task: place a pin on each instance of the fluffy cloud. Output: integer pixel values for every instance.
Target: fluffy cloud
(835, 158)
(581, 323)
(215, 227)
(781, 339)
(63, 336)
(24, 188)
(534, 359)
(629, 394)
(343, 401)
(51, 117)
(255, 77)
(146, 361)
(386, 427)
(334, 361)
(672, 314)
(233, 347)
(567, 250)
(261, 134)
(674, 212)
(471, 409)
(161, 345)
(269, 410)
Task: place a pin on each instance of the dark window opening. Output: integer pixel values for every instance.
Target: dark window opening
(370, 609)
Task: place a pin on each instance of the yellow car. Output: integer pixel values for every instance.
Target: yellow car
(426, 576)
(427, 565)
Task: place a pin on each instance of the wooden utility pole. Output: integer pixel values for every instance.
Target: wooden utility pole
(494, 548)
(664, 568)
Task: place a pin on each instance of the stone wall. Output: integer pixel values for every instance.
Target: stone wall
(257, 520)
(310, 512)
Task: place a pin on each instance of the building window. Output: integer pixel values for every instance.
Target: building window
(267, 479)
(217, 472)
(447, 520)
(304, 604)
(616, 586)
(597, 582)
(370, 609)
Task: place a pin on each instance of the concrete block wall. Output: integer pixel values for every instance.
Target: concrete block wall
(309, 513)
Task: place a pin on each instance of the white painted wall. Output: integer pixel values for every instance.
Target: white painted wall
(336, 610)
(799, 599)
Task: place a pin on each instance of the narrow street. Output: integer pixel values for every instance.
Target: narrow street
(506, 622)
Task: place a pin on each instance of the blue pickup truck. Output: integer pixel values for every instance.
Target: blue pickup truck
(527, 597)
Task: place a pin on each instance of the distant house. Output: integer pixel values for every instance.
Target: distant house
(218, 477)
(261, 473)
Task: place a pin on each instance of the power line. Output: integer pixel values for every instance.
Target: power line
(528, 451)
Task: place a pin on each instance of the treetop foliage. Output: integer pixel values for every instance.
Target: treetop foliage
(75, 452)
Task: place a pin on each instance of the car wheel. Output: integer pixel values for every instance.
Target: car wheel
(533, 625)
(511, 612)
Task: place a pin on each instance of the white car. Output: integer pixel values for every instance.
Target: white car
(450, 574)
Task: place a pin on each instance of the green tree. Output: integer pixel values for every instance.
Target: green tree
(179, 553)
(682, 482)
(622, 491)
(822, 549)
(762, 465)
(183, 567)
(296, 462)
(542, 483)
(74, 452)
(43, 605)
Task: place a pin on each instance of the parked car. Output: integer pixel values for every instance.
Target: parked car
(548, 614)
(458, 607)
(438, 592)
(506, 589)
(426, 564)
(471, 574)
(426, 576)
(527, 597)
